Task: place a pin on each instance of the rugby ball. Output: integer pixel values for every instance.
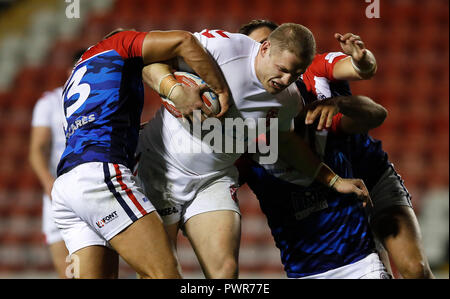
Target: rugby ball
(210, 99)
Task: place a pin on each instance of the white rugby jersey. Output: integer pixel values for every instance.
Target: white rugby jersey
(235, 55)
(47, 113)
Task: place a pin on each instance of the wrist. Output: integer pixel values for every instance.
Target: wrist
(366, 65)
(166, 85)
(333, 181)
(325, 175)
(365, 69)
(160, 82)
(174, 92)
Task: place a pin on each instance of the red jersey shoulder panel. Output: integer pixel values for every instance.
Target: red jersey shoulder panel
(321, 67)
(323, 64)
(127, 43)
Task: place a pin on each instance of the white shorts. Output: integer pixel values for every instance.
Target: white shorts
(389, 191)
(49, 228)
(178, 194)
(94, 202)
(219, 195)
(369, 267)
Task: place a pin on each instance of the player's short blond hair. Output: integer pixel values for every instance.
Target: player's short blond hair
(295, 38)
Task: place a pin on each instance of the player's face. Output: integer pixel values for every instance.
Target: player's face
(277, 68)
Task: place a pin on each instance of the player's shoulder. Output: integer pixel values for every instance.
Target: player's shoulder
(120, 38)
(323, 64)
(227, 44)
(223, 36)
(243, 45)
(121, 42)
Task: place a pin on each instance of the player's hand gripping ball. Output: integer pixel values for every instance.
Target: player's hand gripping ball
(209, 98)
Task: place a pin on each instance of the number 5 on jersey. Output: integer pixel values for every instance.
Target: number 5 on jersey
(74, 87)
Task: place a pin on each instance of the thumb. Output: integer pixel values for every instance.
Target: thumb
(363, 193)
(360, 44)
(224, 105)
(359, 52)
(337, 36)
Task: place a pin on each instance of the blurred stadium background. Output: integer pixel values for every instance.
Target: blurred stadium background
(410, 41)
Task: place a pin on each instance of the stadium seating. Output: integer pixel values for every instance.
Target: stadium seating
(410, 42)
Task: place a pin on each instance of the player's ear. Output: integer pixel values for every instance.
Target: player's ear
(265, 47)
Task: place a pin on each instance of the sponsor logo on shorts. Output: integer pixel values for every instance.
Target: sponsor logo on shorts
(167, 211)
(107, 219)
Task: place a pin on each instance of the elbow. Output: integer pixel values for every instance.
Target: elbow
(186, 35)
(187, 38)
(379, 116)
(188, 44)
(376, 113)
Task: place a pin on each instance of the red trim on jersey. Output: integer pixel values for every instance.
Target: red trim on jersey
(322, 68)
(128, 191)
(335, 125)
(127, 43)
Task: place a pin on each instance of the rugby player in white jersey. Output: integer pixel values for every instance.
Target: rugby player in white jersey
(47, 142)
(195, 190)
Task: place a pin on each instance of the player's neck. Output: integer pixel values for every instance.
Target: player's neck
(258, 62)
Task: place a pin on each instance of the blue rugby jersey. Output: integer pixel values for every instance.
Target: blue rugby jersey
(102, 103)
(316, 228)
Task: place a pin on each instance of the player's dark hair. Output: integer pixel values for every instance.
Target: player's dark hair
(248, 28)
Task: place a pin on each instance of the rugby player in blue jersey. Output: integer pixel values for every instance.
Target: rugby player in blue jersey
(392, 218)
(97, 204)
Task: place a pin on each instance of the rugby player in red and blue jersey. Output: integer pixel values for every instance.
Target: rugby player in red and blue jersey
(97, 204)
